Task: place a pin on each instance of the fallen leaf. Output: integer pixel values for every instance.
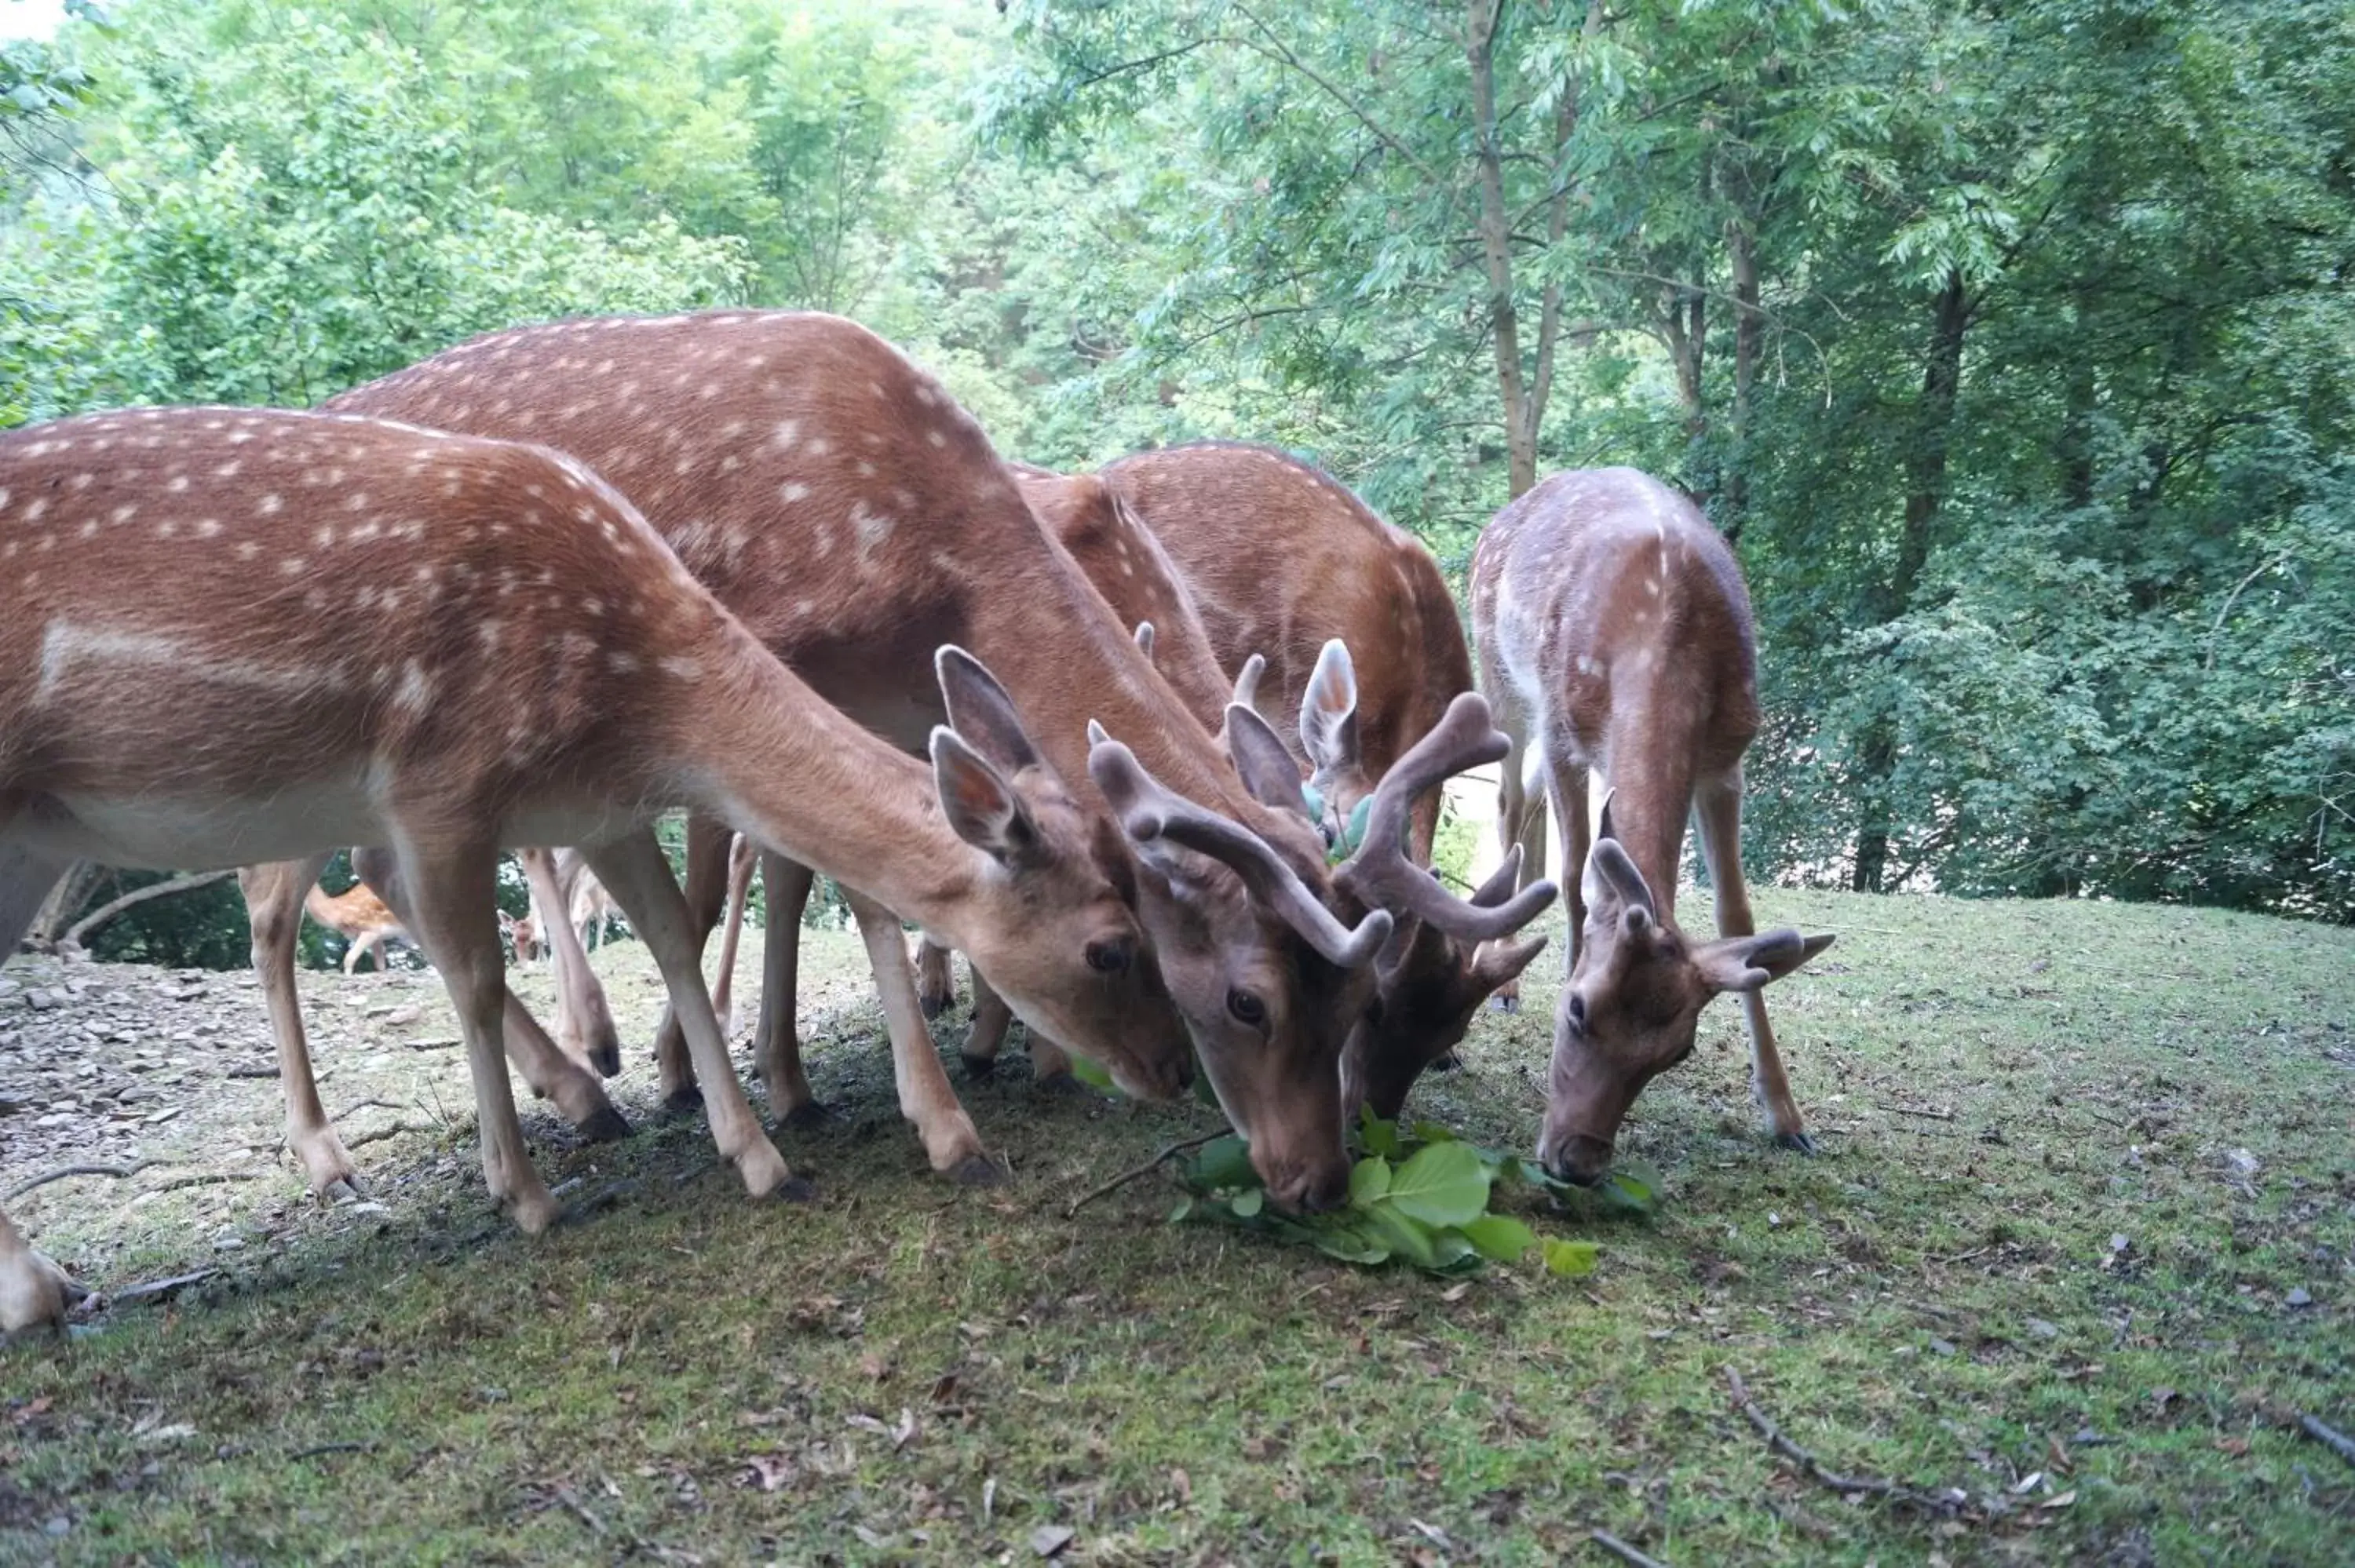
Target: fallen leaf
(1183, 1484)
(2061, 1500)
(769, 1471)
(2298, 1297)
(2236, 1447)
(1051, 1539)
(1456, 1292)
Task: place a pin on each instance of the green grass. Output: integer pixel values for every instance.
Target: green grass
(2001, 1089)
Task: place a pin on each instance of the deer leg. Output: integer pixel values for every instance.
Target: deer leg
(33, 1290)
(273, 909)
(741, 858)
(634, 872)
(450, 894)
(707, 895)
(925, 1096)
(777, 1041)
(1566, 779)
(1718, 804)
(935, 978)
(584, 1019)
(552, 1075)
(1520, 820)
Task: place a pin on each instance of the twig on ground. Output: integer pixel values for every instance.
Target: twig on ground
(2336, 1441)
(120, 1172)
(1944, 1504)
(1933, 1113)
(1125, 1177)
(363, 1105)
(1622, 1550)
(158, 1289)
(314, 1451)
(363, 1140)
(205, 1179)
(596, 1526)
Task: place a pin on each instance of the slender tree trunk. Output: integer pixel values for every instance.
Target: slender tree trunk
(73, 890)
(1925, 491)
(1496, 244)
(1742, 255)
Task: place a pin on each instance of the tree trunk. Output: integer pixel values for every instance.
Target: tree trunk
(1496, 245)
(113, 906)
(1742, 254)
(1925, 491)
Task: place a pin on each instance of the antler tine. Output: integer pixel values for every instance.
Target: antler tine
(1500, 885)
(1247, 681)
(1149, 810)
(1380, 874)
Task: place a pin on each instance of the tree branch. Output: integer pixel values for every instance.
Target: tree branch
(1277, 50)
(110, 909)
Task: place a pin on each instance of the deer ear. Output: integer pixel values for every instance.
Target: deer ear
(1266, 769)
(1247, 681)
(981, 711)
(1745, 963)
(1328, 710)
(981, 806)
(1604, 830)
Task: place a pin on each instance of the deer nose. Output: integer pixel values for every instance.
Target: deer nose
(1316, 1189)
(1578, 1160)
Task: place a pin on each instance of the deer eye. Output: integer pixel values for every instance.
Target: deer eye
(1578, 1013)
(1246, 1007)
(1108, 957)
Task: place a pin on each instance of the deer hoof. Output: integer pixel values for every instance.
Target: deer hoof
(811, 1116)
(1796, 1142)
(345, 1186)
(1447, 1064)
(977, 1170)
(685, 1100)
(1504, 1003)
(605, 1126)
(607, 1059)
(794, 1190)
(980, 1069)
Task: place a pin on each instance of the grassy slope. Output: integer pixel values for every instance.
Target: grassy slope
(1937, 1300)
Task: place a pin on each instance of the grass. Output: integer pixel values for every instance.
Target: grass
(2078, 1159)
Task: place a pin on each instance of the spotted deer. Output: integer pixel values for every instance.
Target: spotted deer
(1615, 636)
(180, 686)
(841, 503)
(1285, 570)
(359, 916)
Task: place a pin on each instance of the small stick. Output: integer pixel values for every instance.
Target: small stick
(1946, 1503)
(1933, 1115)
(313, 1453)
(380, 1134)
(205, 1179)
(1125, 1177)
(156, 1290)
(119, 1172)
(2337, 1442)
(363, 1105)
(1622, 1550)
(596, 1526)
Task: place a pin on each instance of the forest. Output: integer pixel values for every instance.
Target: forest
(2009, 342)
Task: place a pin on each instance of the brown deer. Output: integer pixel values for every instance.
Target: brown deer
(840, 502)
(180, 686)
(359, 916)
(1363, 652)
(1615, 636)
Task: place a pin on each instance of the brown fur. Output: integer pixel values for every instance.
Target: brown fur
(233, 635)
(855, 517)
(359, 916)
(1616, 636)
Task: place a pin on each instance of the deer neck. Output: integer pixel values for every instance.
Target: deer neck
(1650, 776)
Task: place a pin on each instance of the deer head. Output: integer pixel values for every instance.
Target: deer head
(1634, 1003)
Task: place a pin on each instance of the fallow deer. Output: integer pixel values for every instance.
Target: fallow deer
(845, 505)
(359, 916)
(1363, 650)
(179, 687)
(1614, 635)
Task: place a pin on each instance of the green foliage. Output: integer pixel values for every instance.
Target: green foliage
(1417, 1194)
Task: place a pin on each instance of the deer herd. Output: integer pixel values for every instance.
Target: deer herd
(1160, 747)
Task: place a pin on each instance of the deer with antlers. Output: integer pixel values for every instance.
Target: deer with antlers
(179, 687)
(853, 515)
(1263, 570)
(1615, 636)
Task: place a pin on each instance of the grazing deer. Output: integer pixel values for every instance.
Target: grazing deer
(522, 932)
(1363, 652)
(841, 503)
(359, 916)
(1615, 636)
(180, 686)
